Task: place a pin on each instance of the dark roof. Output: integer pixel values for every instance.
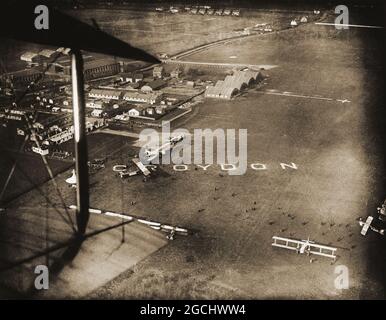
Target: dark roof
(22, 73)
(65, 61)
(156, 84)
(98, 63)
(132, 75)
(134, 85)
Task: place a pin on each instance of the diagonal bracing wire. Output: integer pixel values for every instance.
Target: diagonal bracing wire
(41, 192)
(49, 170)
(7, 181)
(31, 129)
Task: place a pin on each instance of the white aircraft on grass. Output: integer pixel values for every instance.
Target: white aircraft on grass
(72, 180)
(151, 154)
(141, 168)
(304, 247)
(367, 225)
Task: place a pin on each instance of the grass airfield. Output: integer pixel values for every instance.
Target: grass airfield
(339, 178)
(339, 170)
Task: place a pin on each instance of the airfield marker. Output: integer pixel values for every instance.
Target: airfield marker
(348, 25)
(289, 94)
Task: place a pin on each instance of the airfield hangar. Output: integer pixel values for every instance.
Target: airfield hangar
(232, 84)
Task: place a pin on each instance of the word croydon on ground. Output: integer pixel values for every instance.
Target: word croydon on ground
(177, 148)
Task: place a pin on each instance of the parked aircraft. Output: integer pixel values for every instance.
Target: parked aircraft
(304, 247)
(72, 180)
(367, 225)
(151, 154)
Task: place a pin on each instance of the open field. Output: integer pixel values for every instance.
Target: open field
(163, 32)
(338, 180)
(337, 147)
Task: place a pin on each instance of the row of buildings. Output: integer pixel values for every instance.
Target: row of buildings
(218, 12)
(43, 57)
(133, 103)
(159, 72)
(130, 96)
(57, 63)
(143, 95)
(201, 10)
(93, 69)
(22, 77)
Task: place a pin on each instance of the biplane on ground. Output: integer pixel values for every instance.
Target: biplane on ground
(305, 247)
(366, 225)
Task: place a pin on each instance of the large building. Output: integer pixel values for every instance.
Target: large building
(92, 68)
(231, 85)
(154, 85)
(42, 57)
(105, 94)
(138, 111)
(29, 57)
(101, 68)
(23, 76)
(158, 72)
(150, 98)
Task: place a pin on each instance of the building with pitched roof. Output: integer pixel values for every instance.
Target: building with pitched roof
(154, 85)
(232, 84)
(105, 94)
(139, 97)
(158, 72)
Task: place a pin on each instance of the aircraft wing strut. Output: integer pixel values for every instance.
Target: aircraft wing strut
(304, 246)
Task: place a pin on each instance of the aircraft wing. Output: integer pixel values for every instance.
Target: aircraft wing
(165, 147)
(286, 243)
(141, 167)
(366, 225)
(303, 246)
(322, 250)
(18, 22)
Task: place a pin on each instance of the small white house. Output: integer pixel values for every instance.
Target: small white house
(134, 112)
(95, 104)
(41, 151)
(97, 113)
(150, 110)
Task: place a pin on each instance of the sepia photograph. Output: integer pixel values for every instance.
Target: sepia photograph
(192, 150)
